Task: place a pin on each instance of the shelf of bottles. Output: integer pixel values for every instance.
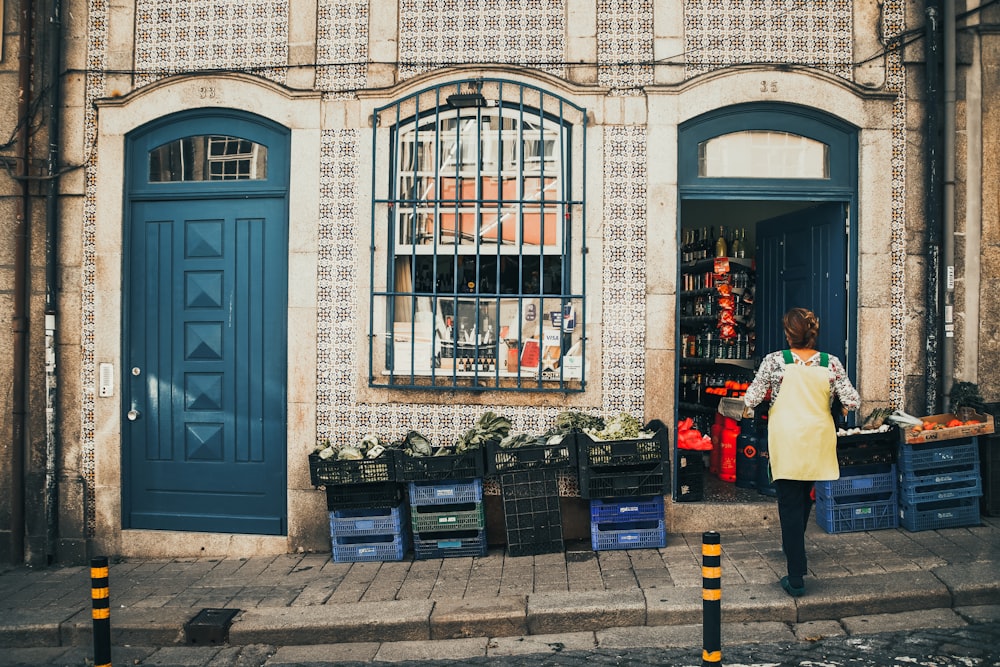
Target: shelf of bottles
(717, 337)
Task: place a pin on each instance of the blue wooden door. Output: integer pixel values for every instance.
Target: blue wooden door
(802, 262)
(205, 383)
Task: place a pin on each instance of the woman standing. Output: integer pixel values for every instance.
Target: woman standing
(801, 436)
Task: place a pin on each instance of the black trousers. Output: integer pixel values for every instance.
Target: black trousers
(794, 505)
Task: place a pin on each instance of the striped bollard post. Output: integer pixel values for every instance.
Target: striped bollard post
(101, 611)
(711, 599)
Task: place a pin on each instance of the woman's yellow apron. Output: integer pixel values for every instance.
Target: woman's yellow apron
(801, 437)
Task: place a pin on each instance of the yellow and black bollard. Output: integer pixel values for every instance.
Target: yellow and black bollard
(711, 599)
(101, 611)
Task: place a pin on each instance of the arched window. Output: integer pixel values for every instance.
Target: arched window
(481, 290)
(763, 154)
(212, 157)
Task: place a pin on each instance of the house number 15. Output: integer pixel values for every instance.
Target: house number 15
(768, 86)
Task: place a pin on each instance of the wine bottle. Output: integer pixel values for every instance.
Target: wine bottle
(720, 243)
(735, 248)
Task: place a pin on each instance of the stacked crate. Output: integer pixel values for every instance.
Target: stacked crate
(367, 515)
(939, 484)
(627, 523)
(625, 481)
(864, 498)
(447, 519)
(446, 503)
(624, 468)
(376, 533)
(529, 489)
(690, 476)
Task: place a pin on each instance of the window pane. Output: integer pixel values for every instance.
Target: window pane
(208, 158)
(763, 154)
(477, 291)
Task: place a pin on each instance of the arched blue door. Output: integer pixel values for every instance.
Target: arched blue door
(788, 175)
(805, 258)
(205, 308)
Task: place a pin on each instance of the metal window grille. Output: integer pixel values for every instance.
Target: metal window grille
(480, 281)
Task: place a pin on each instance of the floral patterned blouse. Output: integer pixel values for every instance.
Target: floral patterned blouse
(772, 370)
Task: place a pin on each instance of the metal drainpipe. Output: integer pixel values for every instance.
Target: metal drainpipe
(932, 208)
(19, 319)
(948, 222)
(54, 52)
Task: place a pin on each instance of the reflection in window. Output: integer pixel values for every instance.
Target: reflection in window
(763, 154)
(479, 283)
(208, 158)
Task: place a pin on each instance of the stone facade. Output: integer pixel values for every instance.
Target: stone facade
(640, 68)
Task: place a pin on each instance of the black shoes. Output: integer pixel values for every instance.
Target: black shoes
(794, 591)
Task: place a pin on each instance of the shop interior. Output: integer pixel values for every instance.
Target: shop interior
(718, 323)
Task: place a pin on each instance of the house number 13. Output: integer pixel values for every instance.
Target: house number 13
(768, 86)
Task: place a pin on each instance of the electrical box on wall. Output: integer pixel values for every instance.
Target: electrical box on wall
(106, 380)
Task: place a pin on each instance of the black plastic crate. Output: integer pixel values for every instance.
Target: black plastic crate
(324, 472)
(636, 451)
(467, 465)
(532, 512)
(650, 479)
(501, 460)
(449, 544)
(690, 463)
(353, 496)
(691, 488)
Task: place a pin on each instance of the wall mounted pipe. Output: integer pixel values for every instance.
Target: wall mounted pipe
(54, 77)
(948, 200)
(19, 317)
(932, 210)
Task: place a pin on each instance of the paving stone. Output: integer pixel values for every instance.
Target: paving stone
(923, 618)
(289, 656)
(811, 631)
(544, 644)
(441, 649)
(331, 623)
(493, 617)
(584, 610)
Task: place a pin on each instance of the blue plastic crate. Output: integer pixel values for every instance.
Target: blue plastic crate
(367, 521)
(940, 485)
(626, 509)
(940, 514)
(922, 456)
(837, 517)
(429, 518)
(446, 493)
(370, 548)
(449, 545)
(628, 535)
(856, 488)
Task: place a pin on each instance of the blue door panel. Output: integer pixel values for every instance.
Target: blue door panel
(802, 262)
(206, 322)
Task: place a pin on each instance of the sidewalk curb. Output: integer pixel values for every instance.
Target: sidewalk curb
(538, 614)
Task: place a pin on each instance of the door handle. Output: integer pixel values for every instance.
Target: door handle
(133, 414)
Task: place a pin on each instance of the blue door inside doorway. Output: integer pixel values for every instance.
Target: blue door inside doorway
(204, 448)
(802, 262)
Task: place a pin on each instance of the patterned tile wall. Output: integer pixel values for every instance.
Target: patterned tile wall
(192, 35)
(893, 18)
(625, 45)
(95, 88)
(437, 33)
(342, 45)
(624, 266)
(718, 33)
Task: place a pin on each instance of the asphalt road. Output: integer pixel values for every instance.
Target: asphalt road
(976, 645)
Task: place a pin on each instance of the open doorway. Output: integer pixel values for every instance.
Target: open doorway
(743, 263)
